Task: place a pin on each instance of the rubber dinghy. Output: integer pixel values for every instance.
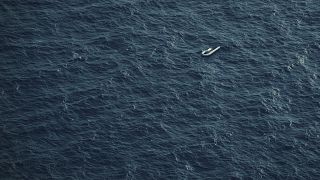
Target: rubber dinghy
(209, 51)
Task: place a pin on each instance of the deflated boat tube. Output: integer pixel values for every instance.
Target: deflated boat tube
(209, 51)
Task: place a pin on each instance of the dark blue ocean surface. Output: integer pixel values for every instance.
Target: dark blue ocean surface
(118, 89)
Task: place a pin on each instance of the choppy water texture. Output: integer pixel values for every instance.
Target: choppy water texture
(117, 89)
